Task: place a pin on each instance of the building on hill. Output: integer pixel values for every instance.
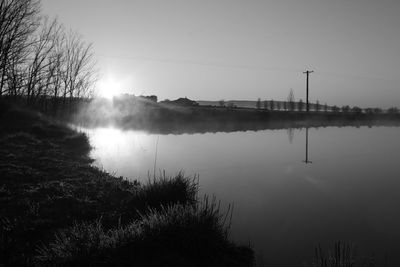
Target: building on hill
(183, 101)
(150, 97)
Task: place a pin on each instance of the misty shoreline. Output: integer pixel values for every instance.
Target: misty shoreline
(169, 119)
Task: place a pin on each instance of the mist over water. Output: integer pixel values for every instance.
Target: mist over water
(282, 206)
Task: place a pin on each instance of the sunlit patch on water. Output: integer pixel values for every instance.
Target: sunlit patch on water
(115, 149)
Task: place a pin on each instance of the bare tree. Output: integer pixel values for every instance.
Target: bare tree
(258, 104)
(393, 110)
(39, 60)
(55, 64)
(78, 73)
(40, 67)
(377, 110)
(278, 105)
(317, 106)
(326, 107)
(231, 105)
(18, 20)
(290, 100)
(356, 110)
(335, 109)
(265, 104)
(301, 105)
(345, 109)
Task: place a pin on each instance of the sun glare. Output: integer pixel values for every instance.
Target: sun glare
(109, 87)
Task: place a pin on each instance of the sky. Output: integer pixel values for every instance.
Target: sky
(243, 49)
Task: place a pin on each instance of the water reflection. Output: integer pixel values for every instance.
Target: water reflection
(290, 133)
(307, 161)
(282, 207)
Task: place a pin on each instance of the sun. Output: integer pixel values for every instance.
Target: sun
(110, 86)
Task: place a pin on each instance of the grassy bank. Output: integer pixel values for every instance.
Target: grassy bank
(56, 209)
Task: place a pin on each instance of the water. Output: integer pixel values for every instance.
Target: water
(348, 189)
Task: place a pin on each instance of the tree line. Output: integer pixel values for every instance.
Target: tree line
(40, 58)
(291, 105)
(300, 106)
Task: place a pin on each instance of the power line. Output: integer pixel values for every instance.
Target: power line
(239, 66)
(356, 76)
(202, 63)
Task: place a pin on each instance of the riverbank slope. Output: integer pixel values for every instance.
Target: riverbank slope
(56, 209)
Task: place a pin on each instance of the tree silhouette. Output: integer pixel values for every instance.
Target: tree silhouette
(369, 110)
(39, 69)
(231, 105)
(39, 59)
(79, 69)
(290, 100)
(393, 110)
(278, 105)
(18, 21)
(272, 104)
(356, 110)
(345, 109)
(265, 104)
(301, 107)
(258, 104)
(317, 106)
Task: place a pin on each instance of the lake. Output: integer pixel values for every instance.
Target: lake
(286, 201)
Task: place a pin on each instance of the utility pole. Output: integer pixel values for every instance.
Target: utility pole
(308, 73)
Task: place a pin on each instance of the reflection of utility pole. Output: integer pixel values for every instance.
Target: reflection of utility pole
(308, 74)
(307, 161)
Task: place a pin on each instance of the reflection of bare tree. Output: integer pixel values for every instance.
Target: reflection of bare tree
(290, 133)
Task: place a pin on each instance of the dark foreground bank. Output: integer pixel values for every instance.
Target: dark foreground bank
(56, 209)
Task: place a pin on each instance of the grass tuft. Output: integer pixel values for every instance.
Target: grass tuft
(165, 190)
(342, 254)
(190, 235)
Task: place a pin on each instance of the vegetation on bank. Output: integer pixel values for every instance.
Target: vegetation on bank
(177, 235)
(56, 209)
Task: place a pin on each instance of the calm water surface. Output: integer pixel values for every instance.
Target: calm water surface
(348, 190)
